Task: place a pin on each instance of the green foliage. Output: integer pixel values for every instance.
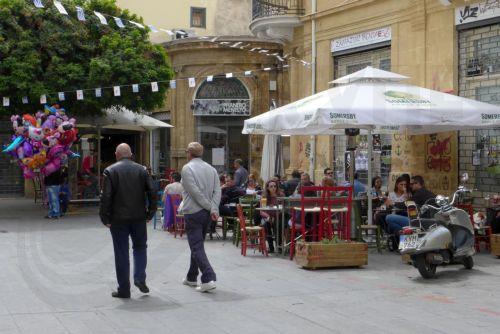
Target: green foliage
(42, 51)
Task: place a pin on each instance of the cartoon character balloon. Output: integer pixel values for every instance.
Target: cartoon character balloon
(42, 142)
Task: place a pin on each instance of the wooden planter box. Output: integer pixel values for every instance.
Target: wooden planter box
(319, 255)
(495, 244)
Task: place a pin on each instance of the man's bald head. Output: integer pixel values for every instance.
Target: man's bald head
(123, 151)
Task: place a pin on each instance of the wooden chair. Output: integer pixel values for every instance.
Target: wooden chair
(178, 217)
(251, 236)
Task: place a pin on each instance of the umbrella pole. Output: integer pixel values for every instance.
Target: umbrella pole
(369, 192)
(98, 157)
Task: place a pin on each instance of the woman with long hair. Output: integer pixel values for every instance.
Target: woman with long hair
(267, 218)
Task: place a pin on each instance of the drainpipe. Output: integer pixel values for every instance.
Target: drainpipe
(313, 83)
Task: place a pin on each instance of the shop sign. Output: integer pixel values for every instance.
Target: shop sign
(211, 107)
(362, 39)
(477, 12)
(342, 118)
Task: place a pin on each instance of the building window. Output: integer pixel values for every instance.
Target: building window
(198, 17)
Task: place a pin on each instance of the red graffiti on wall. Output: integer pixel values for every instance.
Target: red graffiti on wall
(439, 154)
(440, 147)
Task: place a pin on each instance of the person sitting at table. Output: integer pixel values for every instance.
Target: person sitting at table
(267, 218)
(252, 188)
(395, 201)
(290, 185)
(377, 187)
(231, 193)
(305, 181)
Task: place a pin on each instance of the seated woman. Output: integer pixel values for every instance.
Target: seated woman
(267, 218)
(395, 200)
(377, 187)
(252, 187)
(396, 221)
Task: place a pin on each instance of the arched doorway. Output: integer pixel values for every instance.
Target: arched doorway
(220, 107)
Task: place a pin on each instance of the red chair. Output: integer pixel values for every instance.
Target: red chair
(331, 215)
(486, 230)
(251, 236)
(178, 217)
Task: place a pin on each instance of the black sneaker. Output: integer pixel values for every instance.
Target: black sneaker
(142, 287)
(117, 294)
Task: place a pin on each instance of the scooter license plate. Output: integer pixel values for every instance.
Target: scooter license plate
(408, 241)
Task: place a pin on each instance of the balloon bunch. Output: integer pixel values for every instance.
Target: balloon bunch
(42, 142)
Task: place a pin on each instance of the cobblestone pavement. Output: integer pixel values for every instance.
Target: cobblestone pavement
(56, 277)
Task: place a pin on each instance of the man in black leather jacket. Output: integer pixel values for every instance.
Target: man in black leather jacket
(127, 189)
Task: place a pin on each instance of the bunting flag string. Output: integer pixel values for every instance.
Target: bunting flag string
(117, 89)
(120, 23)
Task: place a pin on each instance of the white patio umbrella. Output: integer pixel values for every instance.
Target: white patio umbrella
(119, 118)
(378, 102)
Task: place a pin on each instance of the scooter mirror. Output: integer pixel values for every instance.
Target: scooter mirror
(465, 177)
(441, 200)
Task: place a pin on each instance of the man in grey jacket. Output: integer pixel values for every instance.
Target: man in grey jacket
(200, 205)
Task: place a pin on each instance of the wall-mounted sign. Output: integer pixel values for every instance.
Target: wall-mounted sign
(211, 107)
(477, 12)
(362, 39)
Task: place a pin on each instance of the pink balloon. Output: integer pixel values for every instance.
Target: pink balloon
(27, 173)
(51, 167)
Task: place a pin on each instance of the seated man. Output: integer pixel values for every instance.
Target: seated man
(231, 193)
(420, 195)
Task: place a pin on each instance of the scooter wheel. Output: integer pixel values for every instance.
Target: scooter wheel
(468, 262)
(426, 269)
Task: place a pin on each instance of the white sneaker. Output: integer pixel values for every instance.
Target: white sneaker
(205, 287)
(189, 283)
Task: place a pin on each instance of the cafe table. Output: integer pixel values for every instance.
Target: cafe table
(275, 210)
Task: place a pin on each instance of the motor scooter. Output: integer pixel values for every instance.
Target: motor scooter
(447, 238)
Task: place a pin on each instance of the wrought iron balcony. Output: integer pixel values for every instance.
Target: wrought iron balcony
(276, 18)
(267, 8)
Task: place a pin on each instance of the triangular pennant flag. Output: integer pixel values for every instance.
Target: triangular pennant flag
(61, 96)
(135, 88)
(152, 28)
(267, 68)
(192, 82)
(138, 24)
(254, 49)
(117, 91)
(235, 45)
(80, 13)
(79, 94)
(173, 84)
(43, 99)
(38, 3)
(60, 7)
(101, 18)
(181, 32)
(247, 73)
(169, 32)
(25, 100)
(119, 22)
(210, 78)
(6, 102)
(154, 86)
(213, 40)
(263, 51)
(98, 92)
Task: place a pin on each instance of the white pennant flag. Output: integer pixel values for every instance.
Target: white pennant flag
(79, 94)
(229, 75)
(43, 99)
(38, 3)
(135, 88)
(192, 82)
(169, 32)
(267, 68)
(61, 96)
(6, 102)
(60, 7)
(117, 91)
(137, 24)
(119, 22)
(101, 18)
(173, 84)
(80, 13)
(154, 86)
(152, 28)
(235, 45)
(248, 73)
(98, 92)
(25, 100)
(210, 78)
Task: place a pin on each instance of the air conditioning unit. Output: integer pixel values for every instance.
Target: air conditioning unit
(473, 67)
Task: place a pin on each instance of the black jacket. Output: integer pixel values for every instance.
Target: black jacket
(290, 186)
(421, 196)
(126, 187)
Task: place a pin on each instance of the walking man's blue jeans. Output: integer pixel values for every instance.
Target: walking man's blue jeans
(53, 199)
(197, 225)
(120, 231)
(396, 223)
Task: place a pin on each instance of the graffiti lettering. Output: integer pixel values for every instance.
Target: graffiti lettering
(440, 147)
(442, 164)
(468, 12)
